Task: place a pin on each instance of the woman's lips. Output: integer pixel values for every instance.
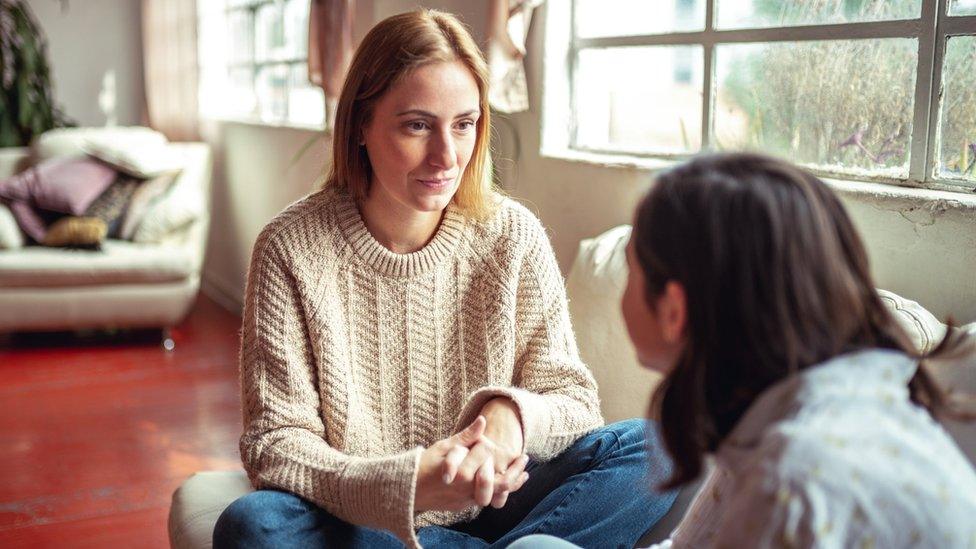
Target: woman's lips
(436, 184)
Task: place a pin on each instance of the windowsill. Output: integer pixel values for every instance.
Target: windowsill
(257, 122)
(962, 198)
(609, 160)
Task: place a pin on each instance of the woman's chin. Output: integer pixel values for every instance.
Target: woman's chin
(433, 202)
(656, 364)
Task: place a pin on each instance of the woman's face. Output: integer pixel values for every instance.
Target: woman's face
(656, 332)
(421, 137)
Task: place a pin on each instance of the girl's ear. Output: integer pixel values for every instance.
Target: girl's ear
(672, 311)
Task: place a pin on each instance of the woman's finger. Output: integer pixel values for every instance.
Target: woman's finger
(484, 485)
(499, 500)
(452, 461)
(472, 433)
(513, 473)
(476, 457)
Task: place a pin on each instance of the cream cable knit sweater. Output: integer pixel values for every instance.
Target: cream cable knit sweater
(354, 358)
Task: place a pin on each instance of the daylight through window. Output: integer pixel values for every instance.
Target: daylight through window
(870, 89)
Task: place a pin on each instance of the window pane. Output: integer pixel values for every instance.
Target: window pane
(957, 158)
(240, 100)
(962, 7)
(272, 93)
(269, 34)
(306, 103)
(634, 17)
(241, 36)
(779, 13)
(296, 28)
(841, 105)
(639, 99)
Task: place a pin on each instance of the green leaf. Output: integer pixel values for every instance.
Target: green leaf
(26, 104)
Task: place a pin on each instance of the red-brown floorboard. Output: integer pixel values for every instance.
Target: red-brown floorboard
(97, 434)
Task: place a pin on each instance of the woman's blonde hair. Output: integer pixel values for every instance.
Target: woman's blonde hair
(391, 49)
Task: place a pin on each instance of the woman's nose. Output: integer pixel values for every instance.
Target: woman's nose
(442, 152)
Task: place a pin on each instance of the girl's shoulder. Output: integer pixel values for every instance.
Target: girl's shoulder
(303, 223)
(511, 221)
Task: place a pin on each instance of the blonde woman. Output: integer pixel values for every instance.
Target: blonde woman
(408, 368)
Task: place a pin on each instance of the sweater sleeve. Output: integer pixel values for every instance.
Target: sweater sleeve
(555, 393)
(283, 445)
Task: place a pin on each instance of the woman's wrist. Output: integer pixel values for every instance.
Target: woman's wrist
(504, 423)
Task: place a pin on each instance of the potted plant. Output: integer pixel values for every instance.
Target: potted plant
(27, 106)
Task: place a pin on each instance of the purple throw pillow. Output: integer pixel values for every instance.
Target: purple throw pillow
(64, 185)
(29, 220)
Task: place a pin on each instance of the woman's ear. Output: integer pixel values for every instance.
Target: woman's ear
(672, 311)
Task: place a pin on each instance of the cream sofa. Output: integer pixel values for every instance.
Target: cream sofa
(595, 285)
(126, 284)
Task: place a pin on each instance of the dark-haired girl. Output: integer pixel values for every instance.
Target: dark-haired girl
(750, 290)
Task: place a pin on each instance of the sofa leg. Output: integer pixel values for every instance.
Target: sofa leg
(167, 339)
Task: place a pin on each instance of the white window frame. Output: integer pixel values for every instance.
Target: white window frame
(932, 29)
(255, 66)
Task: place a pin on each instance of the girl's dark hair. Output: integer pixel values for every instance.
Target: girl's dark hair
(776, 280)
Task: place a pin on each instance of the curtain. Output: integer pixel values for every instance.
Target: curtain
(330, 46)
(508, 28)
(169, 46)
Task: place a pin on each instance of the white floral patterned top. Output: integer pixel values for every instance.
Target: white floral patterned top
(836, 456)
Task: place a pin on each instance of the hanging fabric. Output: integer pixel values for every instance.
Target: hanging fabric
(169, 46)
(330, 45)
(508, 29)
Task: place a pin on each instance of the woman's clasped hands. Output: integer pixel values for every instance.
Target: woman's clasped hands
(471, 468)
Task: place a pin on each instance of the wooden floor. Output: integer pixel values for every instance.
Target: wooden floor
(95, 435)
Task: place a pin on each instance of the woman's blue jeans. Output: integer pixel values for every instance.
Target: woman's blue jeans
(598, 493)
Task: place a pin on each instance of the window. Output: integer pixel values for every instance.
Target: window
(253, 62)
(878, 90)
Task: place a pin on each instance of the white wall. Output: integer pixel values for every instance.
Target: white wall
(922, 250)
(90, 39)
(256, 175)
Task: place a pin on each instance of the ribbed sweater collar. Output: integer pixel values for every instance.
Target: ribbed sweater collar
(446, 240)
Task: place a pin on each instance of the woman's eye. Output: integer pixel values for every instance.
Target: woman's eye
(417, 126)
(465, 125)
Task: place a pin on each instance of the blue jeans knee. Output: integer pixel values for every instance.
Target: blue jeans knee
(254, 520)
(635, 447)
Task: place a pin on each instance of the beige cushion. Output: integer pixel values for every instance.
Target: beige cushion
(13, 160)
(11, 237)
(198, 503)
(144, 158)
(184, 203)
(73, 141)
(118, 262)
(142, 201)
(923, 328)
(595, 285)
